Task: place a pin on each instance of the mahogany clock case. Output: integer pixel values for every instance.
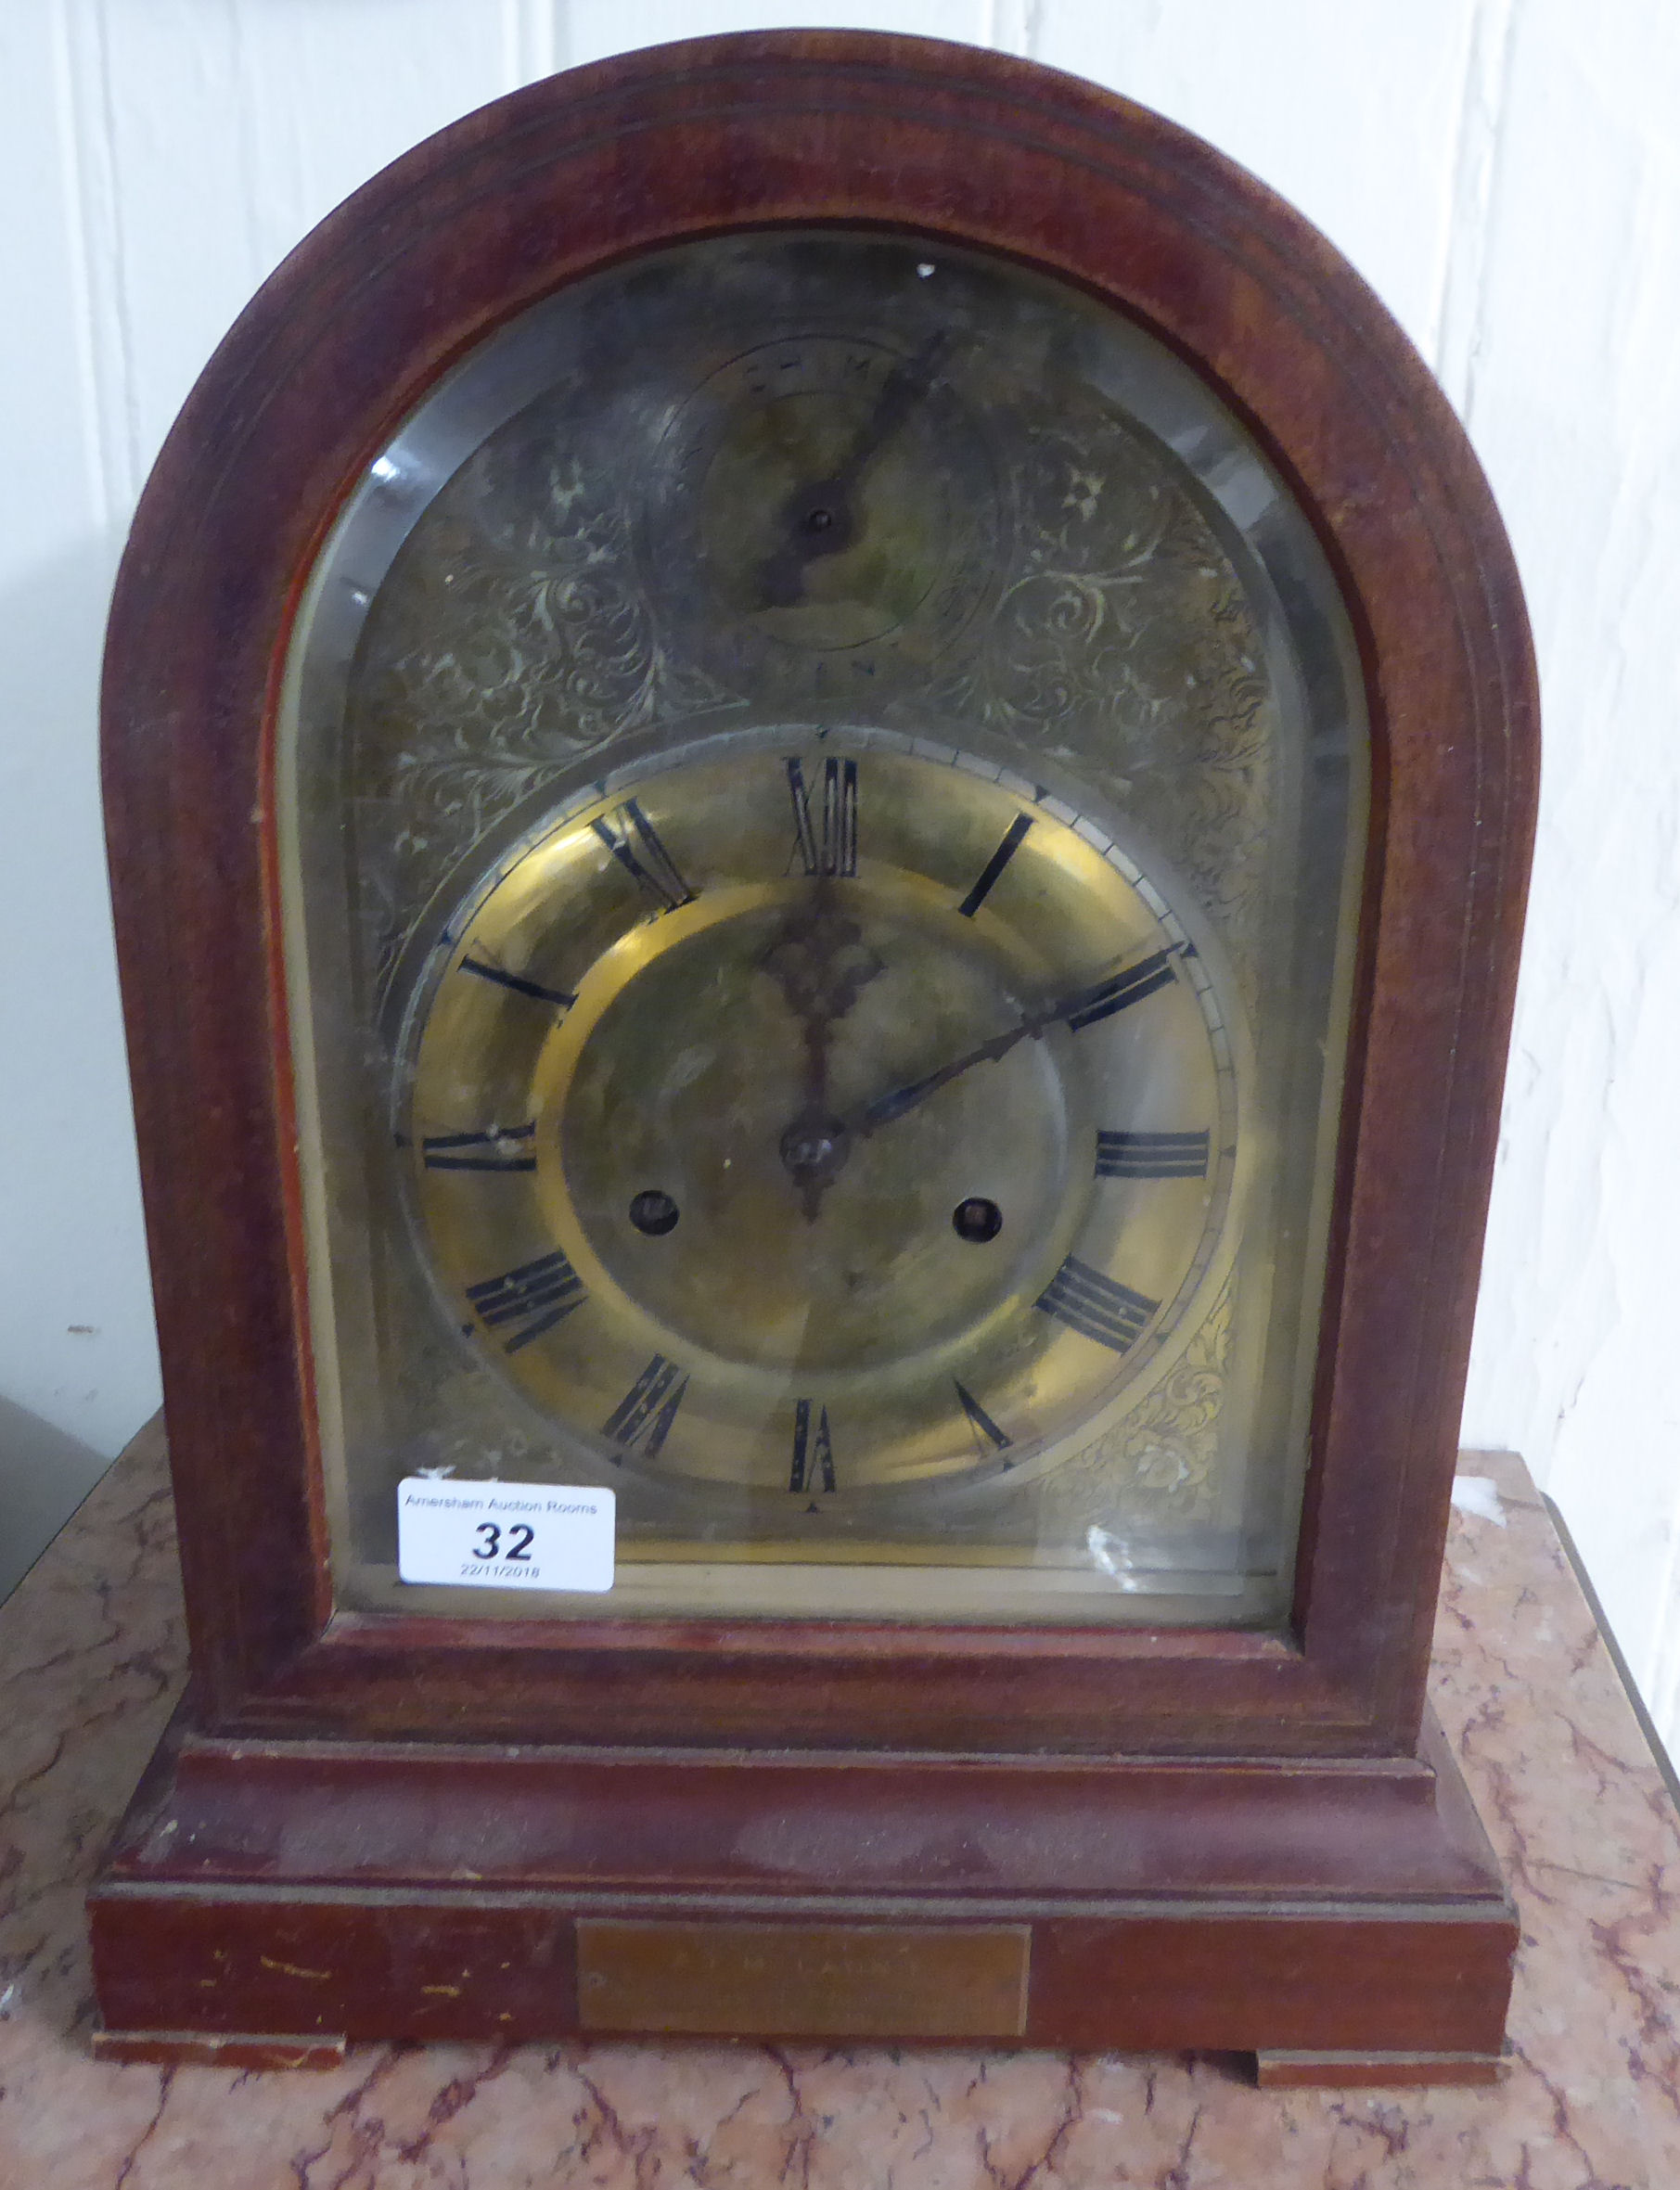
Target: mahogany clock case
(1325, 1871)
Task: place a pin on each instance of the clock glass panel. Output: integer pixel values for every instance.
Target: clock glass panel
(821, 785)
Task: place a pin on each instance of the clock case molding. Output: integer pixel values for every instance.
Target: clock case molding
(1254, 1829)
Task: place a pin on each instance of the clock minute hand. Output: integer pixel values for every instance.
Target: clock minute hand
(885, 1108)
(1080, 1007)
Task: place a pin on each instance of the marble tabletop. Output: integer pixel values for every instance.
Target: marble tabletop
(90, 1660)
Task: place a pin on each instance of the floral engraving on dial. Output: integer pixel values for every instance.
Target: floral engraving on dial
(1160, 1462)
(999, 544)
(516, 625)
(1126, 625)
(514, 637)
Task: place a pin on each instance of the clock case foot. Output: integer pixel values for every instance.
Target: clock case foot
(1392, 2071)
(1343, 1921)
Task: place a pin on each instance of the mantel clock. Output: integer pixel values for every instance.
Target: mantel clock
(820, 758)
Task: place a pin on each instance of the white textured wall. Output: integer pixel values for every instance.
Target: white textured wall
(1505, 173)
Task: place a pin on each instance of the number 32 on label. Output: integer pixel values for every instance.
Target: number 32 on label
(489, 1544)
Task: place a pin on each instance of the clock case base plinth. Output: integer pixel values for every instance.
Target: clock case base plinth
(269, 1902)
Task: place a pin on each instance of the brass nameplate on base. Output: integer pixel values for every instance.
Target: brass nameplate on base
(803, 1981)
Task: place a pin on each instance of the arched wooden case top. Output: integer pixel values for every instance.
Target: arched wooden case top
(473, 558)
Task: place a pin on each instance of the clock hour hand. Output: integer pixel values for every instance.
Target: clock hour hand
(821, 963)
(1080, 1007)
(819, 519)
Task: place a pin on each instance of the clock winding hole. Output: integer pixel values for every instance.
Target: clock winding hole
(654, 1214)
(977, 1219)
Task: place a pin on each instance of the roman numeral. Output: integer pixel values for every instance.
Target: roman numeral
(531, 1298)
(986, 1432)
(643, 1418)
(633, 841)
(560, 998)
(995, 865)
(1096, 1306)
(836, 851)
(1103, 999)
(813, 1453)
(1151, 1155)
(454, 1151)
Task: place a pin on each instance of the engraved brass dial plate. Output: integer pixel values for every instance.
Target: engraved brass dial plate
(821, 791)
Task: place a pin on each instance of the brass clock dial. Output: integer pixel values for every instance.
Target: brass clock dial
(823, 1118)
